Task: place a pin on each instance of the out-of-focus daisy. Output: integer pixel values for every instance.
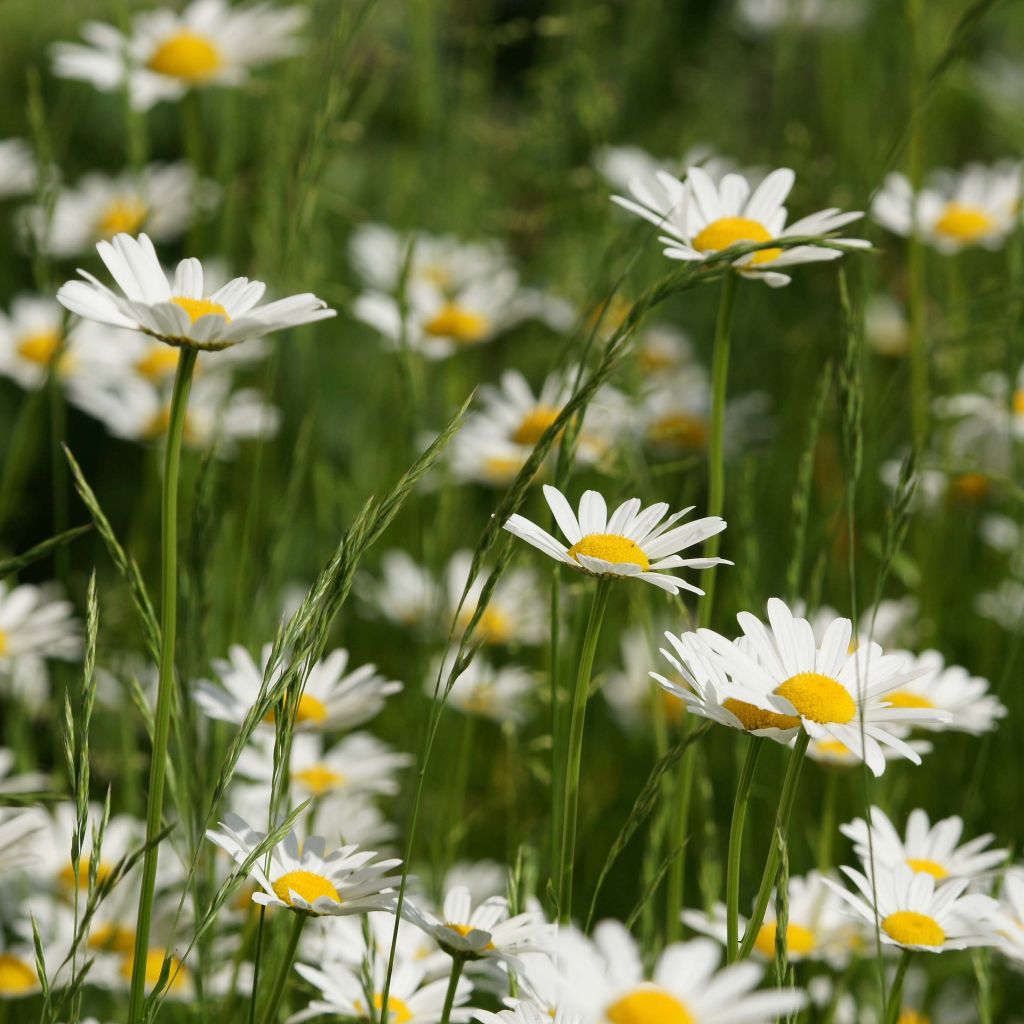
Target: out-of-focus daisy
(775, 681)
(165, 54)
(885, 326)
(19, 782)
(765, 16)
(1010, 915)
(633, 542)
(19, 830)
(832, 752)
(932, 849)
(162, 200)
(987, 417)
(331, 699)
(890, 623)
(501, 694)
(346, 881)
(31, 337)
(702, 218)
(36, 622)
(18, 973)
(619, 165)
(528, 1013)
(956, 210)
(484, 932)
(1004, 605)
(629, 689)
(483, 878)
(405, 593)
(17, 168)
(916, 912)
(181, 311)
(663, 349)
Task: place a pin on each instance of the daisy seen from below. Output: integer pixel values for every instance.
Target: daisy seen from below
(702, 218)
(303, 878)
(935, 850)
(332, 697)
(916, 912)
(180, 311)
(165, 54)
(17, 168)
(977, 206)
(632, 543)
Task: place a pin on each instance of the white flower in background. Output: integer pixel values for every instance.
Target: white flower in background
(930, 849)
(916, 912)
(17, 168)
(977, 206)
(182, 311)
(1010, 914)
(633, 542)
(838, 755)
(986, 419)
(354, 943)
(501, 694)
(663, 349)
(346, 881)
(1004, 605)
(18, 975)
(885, 326)
(21, 782)
(702, 218)
(31, 336)
(162, 200)
(635, 699)
(527, 1013)
(165, 54)
(331, 699)
(36, 623)
(482, 457)
(19, 832)
(619, 165)
(405, 593)
(765, 16)
(482, 878)
(484, 932)
(890, 623)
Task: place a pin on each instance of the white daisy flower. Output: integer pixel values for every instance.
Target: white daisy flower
(932, 849)
(17, 168)
(663, 349)
(19, 832)
(18, 975)
(632, 543)
(22, 782)
(483, 878)
(346, 881)
(619, 165)
(405, 593)
(635, 699)
(484, 932)
(35, 623)
(482, 457)
(181, 312)
(331, 699)
(30, 338)
(916, 912)
(838, 755)
(1010, 915)
(886, 328)
(528, 1013)
(501, 694)
(165, 54)
(702, 218)
(977, 206)
(766, 16)
(162, 199)
(778, 680)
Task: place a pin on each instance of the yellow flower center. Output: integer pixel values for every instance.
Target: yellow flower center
(309, 885)
(481, 701)
(963, 223)
(754, 718)
(40, 347)
(16, 976)
(159, 362)
(680, 430)
(199, 307)
(971, 487)
(928, 867)
(652, 359)
(909, 928)
(1018, 403)
(534, 423)
(609, 315)
(610, 547)
(398, 1012)
(726, 231)
(176, 973)
(112, 938)
(186, 55)
(4, 645)
(310, 709)
(69, 880)
(500, 469)
(319, 779)
(464, 930)
(799, 940)
(648, 1006)
(125, 215)
(458, 323)
(909, 1016)
(494, 627)
(819, 698)
(437, 274)
(906, 699)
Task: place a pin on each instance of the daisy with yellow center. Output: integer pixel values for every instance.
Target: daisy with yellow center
(701, 217)
(31, 338)
(305, 879)
(499, 693)
(633, 542)
(18, 977)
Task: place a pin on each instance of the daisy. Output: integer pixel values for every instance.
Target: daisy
(163, 199)
(482, 457)
(483, 878)
(663, 349)
(35, 623)
(619, 165)
(484, 932)
(165, 54)
(501, 694)
(31, 337)
(527, 1013)
(632, 542)
(633, 696)
(781, 679)
(331, 699)
(885, 326)
(22, 782)
(19, 977)
(702, 218)
(181, 312)
(406, 594)
(353, 943)
(932, 849)
(17, 168)
(346, 881)
(832, 752)
(765, 16)
(914, 911)
(20, 830)
(1010, 914)
(977, 206)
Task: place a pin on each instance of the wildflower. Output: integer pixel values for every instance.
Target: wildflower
(405, 594)
(31, 338)
(619, 165)
(764, 16)
(499, 693)
(19, 831)
(634, 698)
(885, 326)
(1010, 915)
(17, 168)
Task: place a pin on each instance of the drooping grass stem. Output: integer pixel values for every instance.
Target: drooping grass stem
(739, 816)
(165, 688)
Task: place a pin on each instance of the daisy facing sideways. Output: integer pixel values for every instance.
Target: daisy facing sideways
(701, 218)
(634, 542)
(179, 311)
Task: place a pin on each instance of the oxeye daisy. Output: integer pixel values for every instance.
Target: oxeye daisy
(633, 542)
(19, 782)
(405, 593)
(36, 622)
(528, 1013)
(916, 912)
(932, 849)
(331, 699)
(702, 218)
(1010, 915)
(500, 693)
(303, 878)
(838, 755)
(619, 165)
(181, 311)
(17, 168)
(663, 349)
(31, 338)
(18, 831)
(165, 54)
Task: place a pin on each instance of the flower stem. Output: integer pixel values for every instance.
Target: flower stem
(739, 815)
(771, 866)
(283, 971)
(453, 984)
(895, 1002)
(168, 626)
(574, 752)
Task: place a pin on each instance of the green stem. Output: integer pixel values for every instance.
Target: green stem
(165, 690)
(739, 815)
(284, 971)
(895, 1001)
(716, 439)
(453, 985)
(574, 752)
(771, 866)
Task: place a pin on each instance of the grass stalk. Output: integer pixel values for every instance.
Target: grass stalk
(739, 816)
